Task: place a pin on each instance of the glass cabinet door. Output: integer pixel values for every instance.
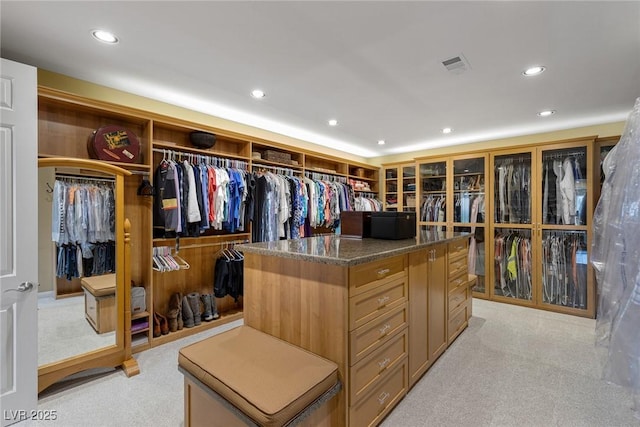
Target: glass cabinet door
(470, 213)
(565, 211)
(513, 230)
(433, 194)
(409, 188)
(512, 188)
(391, 189)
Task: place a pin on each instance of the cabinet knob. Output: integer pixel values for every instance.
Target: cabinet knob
(383, 301)
(383, 272)
(383, 397)
(385, 329)
(383, 363)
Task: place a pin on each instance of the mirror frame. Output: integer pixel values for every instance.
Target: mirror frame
(120, 353)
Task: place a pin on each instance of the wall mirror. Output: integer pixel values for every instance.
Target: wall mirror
(84, 312)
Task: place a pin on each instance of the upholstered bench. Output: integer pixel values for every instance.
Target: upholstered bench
(246, 377)
(100, 302)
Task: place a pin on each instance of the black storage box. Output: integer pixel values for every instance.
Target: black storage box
(355, 224)
(393, 225)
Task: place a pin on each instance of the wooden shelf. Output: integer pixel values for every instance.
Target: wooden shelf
(140, 315)
(228, 317)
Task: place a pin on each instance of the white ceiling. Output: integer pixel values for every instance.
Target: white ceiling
(374, 66)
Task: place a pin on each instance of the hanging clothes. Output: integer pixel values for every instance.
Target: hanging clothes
(512, 264)
(83, 227)
(193, 196)
(228, 276)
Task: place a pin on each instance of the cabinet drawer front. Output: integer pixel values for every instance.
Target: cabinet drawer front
(457, 322)
(367, 373)
(369, 337)
(365, 276)
(458, 267)
(458, 248)
(91, 307)
(457, 281)
(458, 297)
(373, 407)
(368, 305)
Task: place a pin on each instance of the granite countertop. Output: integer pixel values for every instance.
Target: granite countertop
(337, 250)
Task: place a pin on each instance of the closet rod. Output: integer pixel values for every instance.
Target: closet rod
(208, 245)
(562, 155)
(228, 163)
(143, 173)
(84, 177)
(285, 171)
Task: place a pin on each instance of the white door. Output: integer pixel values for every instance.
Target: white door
(18, 242)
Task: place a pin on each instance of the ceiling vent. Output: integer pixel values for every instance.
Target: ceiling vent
(457, 64)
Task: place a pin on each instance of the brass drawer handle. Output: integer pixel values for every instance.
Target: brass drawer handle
(383, 397)
(385, 329)
(383, 272)
(383, 363)
(383, 301)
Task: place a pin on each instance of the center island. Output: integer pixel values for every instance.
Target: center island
(382, 310)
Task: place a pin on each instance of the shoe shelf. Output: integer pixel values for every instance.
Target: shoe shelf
(227, 317)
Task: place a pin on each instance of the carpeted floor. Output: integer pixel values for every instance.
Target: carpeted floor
(513, 366)
(63, 330)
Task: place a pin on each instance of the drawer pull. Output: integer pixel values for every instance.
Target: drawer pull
(383, 301)
(383, 363)
(383, 397)
(385, 329)
(382, 273)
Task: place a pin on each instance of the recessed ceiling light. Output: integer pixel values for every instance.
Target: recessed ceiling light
(104, 36)
(381, 142)
(546, 113)
(533, 71)
(257, 93)
(447, 130)
(333, 122)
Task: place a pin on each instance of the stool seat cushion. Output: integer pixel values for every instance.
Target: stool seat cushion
(100, 286)
(268, 379)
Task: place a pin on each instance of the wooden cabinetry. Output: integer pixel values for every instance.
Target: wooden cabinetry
(400, 187)
(457, 289)
(437, 296)
(542, 205)
(452, 196)
(66, 122)
(384, 322)
(510, 201)
(427, 309)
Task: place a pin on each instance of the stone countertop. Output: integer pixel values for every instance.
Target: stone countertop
(337, 250)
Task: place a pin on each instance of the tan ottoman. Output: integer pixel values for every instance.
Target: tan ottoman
(246, 377)
(100, 302)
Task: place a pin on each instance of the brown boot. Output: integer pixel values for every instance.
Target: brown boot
(156, 326)
(172, 318)
(175, 303)
(164, 325)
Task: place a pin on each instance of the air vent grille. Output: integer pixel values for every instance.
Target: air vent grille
(457, 64)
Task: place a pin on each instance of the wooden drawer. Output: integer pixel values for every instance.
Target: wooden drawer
(368, 373)
(458, 267)
(366, 276)
(369, 337)
(456, 281)
(375, 302)
(458, 249)
(458, 297)
(457, 322)
(373, 407)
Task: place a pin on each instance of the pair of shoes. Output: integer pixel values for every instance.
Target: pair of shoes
(210, 310)
(160, 325)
